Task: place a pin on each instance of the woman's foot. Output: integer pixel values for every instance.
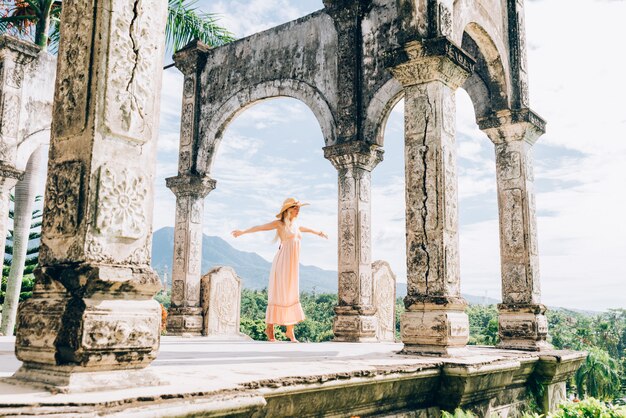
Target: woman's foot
(291, 335)
(269, 332)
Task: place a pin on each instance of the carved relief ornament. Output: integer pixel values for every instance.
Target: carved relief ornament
(73, 69)
(62, 203)
(122, 196)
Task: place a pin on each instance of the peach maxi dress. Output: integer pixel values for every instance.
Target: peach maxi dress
(283, 293)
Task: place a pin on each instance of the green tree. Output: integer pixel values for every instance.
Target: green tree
(317, 326)
(38, 20)
(483, 321)
(599, 376)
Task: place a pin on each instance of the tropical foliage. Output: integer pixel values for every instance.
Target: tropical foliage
(317, 326)
(186, 23)
(28, 279)
(599, 375)
(34, 20)
(38, 21)
(603, 335)
(588, 408)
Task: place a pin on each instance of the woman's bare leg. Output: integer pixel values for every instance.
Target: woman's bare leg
(269, 331)
(291, 334)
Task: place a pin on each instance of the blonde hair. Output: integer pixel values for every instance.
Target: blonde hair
(287, 222)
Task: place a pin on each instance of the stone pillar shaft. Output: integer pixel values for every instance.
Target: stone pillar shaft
(185, 314)
(24, 198)
(435, 319)
(92, 308)
(522, 323)
(355, 315)
(14, 55)
(431, 193)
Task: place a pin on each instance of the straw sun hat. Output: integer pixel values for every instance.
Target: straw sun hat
(289, 203)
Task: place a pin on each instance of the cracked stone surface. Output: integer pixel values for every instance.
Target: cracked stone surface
(521, 316)
(355, 316)
(92, 307)
(350, 63)
(282, 379)
(434, 319)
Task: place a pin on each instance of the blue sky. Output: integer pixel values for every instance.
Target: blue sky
(274, 150)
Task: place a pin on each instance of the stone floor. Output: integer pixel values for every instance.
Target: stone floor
(223, 374)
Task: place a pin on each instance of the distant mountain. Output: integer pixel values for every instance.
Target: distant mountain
(253, 269)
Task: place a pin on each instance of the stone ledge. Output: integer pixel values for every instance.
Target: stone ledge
(282, 379)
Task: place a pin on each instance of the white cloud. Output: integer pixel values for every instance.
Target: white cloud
(574, 83)
(246, 17)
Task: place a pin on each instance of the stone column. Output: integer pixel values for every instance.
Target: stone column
(92, 322)
(185, 314)
(434, 320)
(25, 193)
(355, 318)
(522, 323)
(15, 55)
(9, 177)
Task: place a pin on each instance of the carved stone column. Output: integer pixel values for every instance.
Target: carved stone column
(355, 318)
(92, 310)
(15, 55)
(185, 313)
(434, 320)
(522, 323)
(190, 61)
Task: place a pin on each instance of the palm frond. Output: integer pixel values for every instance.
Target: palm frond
(185, 23)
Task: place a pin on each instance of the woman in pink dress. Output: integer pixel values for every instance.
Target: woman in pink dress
(283, 293)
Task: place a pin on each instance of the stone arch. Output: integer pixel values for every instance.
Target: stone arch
(380, 108)
(245, 98)
(488, 86)
(29, 144)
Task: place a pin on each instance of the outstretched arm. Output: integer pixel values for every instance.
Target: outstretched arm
(266, 227)
(311, 231)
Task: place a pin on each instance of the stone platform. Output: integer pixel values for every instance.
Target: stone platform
(209, 378)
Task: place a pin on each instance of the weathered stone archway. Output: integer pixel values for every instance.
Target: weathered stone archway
(351, 62)
(92, 324)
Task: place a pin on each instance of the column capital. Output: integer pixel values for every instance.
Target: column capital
(193, 56)
(355, 154)
(513, 125)
(26, 50)
(435, 59)
(190, 185)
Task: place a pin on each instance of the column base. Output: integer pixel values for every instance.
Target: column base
(185, 322)
(432, 350)
(87, 335)
(523, 327)
(355, 328)
(431, 328)
(65, 379)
